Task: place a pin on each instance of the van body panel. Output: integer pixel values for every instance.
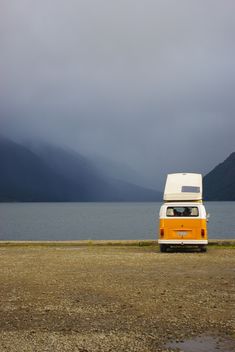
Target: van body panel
(183, 229)
(199, 205)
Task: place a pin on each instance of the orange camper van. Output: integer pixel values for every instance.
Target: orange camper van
(182, 218)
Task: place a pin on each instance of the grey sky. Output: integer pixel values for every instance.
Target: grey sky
(149, 83)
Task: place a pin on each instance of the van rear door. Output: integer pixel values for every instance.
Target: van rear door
(182, 222)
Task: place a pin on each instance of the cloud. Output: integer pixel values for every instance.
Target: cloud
(148, 83)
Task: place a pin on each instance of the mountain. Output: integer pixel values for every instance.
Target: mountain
(219, 184)
(48, 173)
(25, 177)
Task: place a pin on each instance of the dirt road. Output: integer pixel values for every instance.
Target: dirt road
(113, 298)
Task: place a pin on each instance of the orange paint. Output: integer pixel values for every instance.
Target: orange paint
(183, 229)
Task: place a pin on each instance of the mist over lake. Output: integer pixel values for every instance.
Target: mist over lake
(99, 221)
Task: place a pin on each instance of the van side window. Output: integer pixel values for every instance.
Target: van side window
(182, 211)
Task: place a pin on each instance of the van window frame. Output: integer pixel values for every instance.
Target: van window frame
(183, 213)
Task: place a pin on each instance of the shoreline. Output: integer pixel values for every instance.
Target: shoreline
(139, 243)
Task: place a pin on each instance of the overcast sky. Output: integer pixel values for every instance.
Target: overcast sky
(145, 82)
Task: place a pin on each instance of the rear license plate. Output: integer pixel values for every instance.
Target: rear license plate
(182, 233)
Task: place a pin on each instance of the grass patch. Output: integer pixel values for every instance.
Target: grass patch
(114, 243)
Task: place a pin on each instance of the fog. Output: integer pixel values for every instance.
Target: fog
(148, 84)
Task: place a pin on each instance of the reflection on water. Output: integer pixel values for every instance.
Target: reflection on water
(203, 344)
(75, 221)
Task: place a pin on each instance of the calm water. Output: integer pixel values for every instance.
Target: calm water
(78, 221)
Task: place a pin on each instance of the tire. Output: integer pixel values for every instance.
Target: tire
(203, 249)
(163, 248)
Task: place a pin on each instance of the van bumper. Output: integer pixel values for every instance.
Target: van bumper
(182, 242)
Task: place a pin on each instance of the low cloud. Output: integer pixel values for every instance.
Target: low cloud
(148, 84)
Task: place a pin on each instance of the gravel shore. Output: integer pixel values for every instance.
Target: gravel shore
(110, 298)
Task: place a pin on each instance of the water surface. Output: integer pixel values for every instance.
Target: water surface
(78, 221)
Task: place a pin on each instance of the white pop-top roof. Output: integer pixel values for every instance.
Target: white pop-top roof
(183, 186)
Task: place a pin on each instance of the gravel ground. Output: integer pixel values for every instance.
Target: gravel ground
(113, 298)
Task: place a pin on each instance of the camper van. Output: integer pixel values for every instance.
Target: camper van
(182, 218)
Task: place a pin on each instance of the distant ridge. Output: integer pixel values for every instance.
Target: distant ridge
(219, 184)
(54, 174)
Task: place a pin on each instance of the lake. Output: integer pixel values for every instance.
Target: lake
(99, 221)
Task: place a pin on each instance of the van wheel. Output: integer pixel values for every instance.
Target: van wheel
(203, 249)
(163, 248)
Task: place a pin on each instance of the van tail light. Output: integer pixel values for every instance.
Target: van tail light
(202, 232)
(162, 232)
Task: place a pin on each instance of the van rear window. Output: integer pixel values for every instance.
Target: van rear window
(182, 211)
